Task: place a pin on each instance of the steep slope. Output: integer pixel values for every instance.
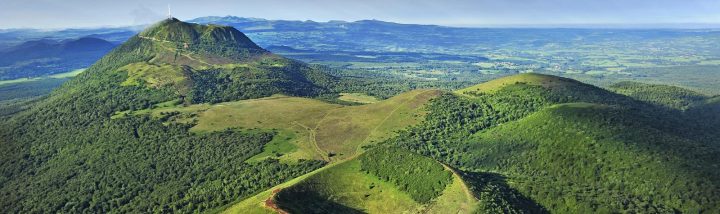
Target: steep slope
(215, 63)
(573, 147)
(611, 153)
(698, 113)
(669, 96)
(66, 154)
(370, 183)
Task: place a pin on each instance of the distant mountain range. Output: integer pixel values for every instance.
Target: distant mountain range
(376, 35)
(368, 35)
(44, 57)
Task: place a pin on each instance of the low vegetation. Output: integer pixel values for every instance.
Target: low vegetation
(357, 98)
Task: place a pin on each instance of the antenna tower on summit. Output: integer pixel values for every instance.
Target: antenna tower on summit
(169, 15)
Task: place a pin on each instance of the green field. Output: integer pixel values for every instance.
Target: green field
(527, 78)
(306, 128)
(344, 131)
(358, 98)
(54, 76)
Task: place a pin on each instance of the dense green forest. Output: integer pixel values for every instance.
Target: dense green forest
(536, 144)
(312, 203)
(65, 154)
(421, 177)
(610, 153)
(16, 97)
(496, 196)
(664, 95)
(260, 80)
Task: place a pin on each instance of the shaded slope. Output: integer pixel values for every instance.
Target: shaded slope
(583, 157)
(663, 95)
(369, 184)
(375, 183)
(682, 112)
(495, 195)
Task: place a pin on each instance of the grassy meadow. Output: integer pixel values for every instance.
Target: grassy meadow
(305, 128)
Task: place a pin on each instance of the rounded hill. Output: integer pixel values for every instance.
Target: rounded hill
(174, 30)
(547, 81)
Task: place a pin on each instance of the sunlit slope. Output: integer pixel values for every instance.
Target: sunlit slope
(344, 131)
(307, 128)
(201, 64)
(85, 132)
(547, 81)
(348, 188)
(570, 147)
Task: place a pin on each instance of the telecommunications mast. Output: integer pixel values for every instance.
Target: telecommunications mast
(169, 15)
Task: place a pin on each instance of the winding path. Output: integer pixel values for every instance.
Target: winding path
(313, 140)
(175, 50)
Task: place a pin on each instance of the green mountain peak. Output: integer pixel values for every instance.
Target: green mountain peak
(198, 63)
(546, 81)
(176, 31)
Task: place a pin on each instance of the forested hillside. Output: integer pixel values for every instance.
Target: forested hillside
(188, 118)
(574, 148)
(663, 95)
(66, 154)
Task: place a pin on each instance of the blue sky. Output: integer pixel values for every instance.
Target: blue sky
(93, 13)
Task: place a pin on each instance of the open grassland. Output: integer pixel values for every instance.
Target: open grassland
(282, 143)
(342, 132)
(457, 197)
(358, 98)
(157, 76)
(54, 76)
(296, 117)
(281, 112)
(306, 128)
(526, 78)
(322, 130)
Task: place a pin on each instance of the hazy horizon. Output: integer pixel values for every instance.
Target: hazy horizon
(680, 26)
(48, 14)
